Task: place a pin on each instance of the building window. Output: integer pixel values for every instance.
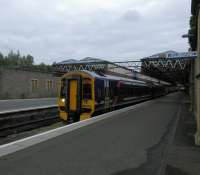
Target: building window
(34, 84)
(49, 85)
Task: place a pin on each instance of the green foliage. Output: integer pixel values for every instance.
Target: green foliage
(16, 60)
(1, 58)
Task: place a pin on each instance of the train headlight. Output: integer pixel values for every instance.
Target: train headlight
(63, 100)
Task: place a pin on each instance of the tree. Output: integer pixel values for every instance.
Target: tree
(1, 59)
(54, 63)
(15, 60)
(29, 60)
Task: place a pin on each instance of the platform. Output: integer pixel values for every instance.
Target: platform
(119, 144)
(21, 104)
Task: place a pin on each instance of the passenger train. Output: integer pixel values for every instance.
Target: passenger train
(84, 94)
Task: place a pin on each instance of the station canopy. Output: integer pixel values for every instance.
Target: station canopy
(169, 66)
(102, 65)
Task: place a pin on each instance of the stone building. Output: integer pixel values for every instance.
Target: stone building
(194, 40)
(17, 84)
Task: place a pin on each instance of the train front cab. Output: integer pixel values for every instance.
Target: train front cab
(76, 100)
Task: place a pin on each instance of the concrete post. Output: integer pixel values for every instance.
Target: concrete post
(197, 85)
(191, 86)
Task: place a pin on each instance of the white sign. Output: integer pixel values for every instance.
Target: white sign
(182, 55)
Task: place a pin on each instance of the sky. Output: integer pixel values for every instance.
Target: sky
(116, 30)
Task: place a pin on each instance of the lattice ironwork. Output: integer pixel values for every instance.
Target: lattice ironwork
(167, 64)
(133, 65)
(162, 64)
(78, 67)
(171, 69)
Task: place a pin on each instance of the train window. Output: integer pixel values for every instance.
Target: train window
(115, 91)
(87, 90)
(63, 91)
(137, 90)
(99, 93)
(106, 88)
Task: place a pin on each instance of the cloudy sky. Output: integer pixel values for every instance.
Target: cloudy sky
(56, 30)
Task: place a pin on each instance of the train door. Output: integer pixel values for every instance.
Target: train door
(106, 93)
(73, 93)
(74, 99)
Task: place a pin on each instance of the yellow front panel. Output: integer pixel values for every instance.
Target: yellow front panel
(73, 87)
(63, 115)
(73, 95)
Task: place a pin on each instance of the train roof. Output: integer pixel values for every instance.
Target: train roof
(113, 77)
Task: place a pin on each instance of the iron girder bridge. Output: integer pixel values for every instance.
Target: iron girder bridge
(171, 68)
(90, 66)
(174, 70)
(161, 64)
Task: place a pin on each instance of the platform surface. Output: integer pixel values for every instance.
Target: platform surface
(107, 147)
(20, 104)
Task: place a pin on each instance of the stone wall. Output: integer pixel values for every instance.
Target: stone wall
(27, 84)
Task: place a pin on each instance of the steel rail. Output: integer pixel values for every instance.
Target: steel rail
(17, 121)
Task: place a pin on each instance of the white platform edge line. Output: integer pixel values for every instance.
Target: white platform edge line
(28, 99)
(27, 109)
(35, 139)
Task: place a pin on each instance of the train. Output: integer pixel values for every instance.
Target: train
(83, 94)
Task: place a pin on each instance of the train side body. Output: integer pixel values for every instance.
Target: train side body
(84, 93)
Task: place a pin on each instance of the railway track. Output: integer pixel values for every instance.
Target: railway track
(12, 122)
(16, 121)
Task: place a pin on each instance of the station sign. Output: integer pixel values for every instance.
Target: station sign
(182, 55)
(175, 55)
